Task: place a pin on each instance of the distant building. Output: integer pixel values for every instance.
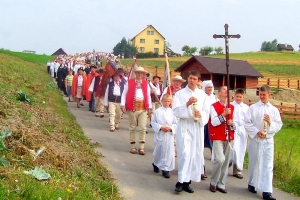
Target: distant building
(285, 47)
(241, 73)
(28, 51)
(60, 51)
(149, 40)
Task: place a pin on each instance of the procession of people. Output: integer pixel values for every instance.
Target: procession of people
(185, 120)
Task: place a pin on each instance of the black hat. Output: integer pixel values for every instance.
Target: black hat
(80, 68)
(100, 70)
(156, 77)
(93, 66)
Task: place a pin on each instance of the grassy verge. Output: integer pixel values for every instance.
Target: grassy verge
(287, 159)
(69, 157)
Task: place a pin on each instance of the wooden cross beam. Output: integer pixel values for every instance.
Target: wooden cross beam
(227, 37)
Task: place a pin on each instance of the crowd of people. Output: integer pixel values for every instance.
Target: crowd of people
(185, 120)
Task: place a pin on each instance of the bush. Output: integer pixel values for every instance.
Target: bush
(147, 55)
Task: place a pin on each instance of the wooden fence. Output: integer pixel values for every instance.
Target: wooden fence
(280, 83)
(286, 112)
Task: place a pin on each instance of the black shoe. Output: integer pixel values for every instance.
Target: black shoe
(155, 168)
(101, 116)
(186, 187)
(251, 189)
(165, 174)
(268, 196)
(178, 187)
(93, 111)
(81, 104)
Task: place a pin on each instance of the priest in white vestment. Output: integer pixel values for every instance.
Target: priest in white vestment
(191, 108)
(262, 122)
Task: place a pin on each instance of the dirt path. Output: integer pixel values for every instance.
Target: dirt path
(134, 174)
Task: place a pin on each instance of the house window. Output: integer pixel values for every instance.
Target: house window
(156, 41)
(142, 49)
(142, 40)
(148, 32)
(151, 32)
(156, 50)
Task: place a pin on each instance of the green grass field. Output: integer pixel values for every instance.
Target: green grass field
(69, 158)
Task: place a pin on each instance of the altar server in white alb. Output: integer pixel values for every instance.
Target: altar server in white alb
(262, 122)
(240, 137)
(164, 125)
(192, 108)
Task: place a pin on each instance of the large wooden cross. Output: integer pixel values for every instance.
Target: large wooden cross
(227, 37)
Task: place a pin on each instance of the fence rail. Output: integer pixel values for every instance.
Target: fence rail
(286, 112)
(280, 83)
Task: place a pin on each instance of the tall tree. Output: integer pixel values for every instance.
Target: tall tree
(123, 47)
(188, 51)
(269, 46)
(218, 50)
(206, 50)
(167, 45)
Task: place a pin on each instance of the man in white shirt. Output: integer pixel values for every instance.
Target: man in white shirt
(137, 102)
(112, 100)
(156, 91)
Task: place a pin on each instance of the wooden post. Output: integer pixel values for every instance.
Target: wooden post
(278, 83)
(288, 83)
(234, 86)
(211, 77)
(298, 84)
(268, 81)
(295, 111)
(280, 110)
(223, 80)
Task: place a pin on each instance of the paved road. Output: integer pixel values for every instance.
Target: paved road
(134, 173)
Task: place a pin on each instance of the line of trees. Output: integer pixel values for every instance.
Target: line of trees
(206, 50)
(269, 46)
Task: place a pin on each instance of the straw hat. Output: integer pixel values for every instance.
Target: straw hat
(178, 78)
(140, 69)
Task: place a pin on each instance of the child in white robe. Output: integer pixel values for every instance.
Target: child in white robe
(164, 125)
(262, 122)
(240, 137)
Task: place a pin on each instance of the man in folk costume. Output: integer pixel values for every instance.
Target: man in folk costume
(175, 86)
(240, 137)
(192, 110)
(262, 122)
(156, 91)
(90, 96)
(112, 100)
(137, 101)
(99, 100)
(221, 132)
(79, 86)
(208, 88)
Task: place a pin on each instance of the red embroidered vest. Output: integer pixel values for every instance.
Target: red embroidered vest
(130, 97)
(219, 132)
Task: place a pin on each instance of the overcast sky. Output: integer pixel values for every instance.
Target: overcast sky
(83, 25)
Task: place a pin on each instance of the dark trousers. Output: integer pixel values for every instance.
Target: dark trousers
(92, 102)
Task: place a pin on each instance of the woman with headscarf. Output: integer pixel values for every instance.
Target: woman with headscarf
(208, 88)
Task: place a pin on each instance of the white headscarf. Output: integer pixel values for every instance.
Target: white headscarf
(211, 96)
(208, 83)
